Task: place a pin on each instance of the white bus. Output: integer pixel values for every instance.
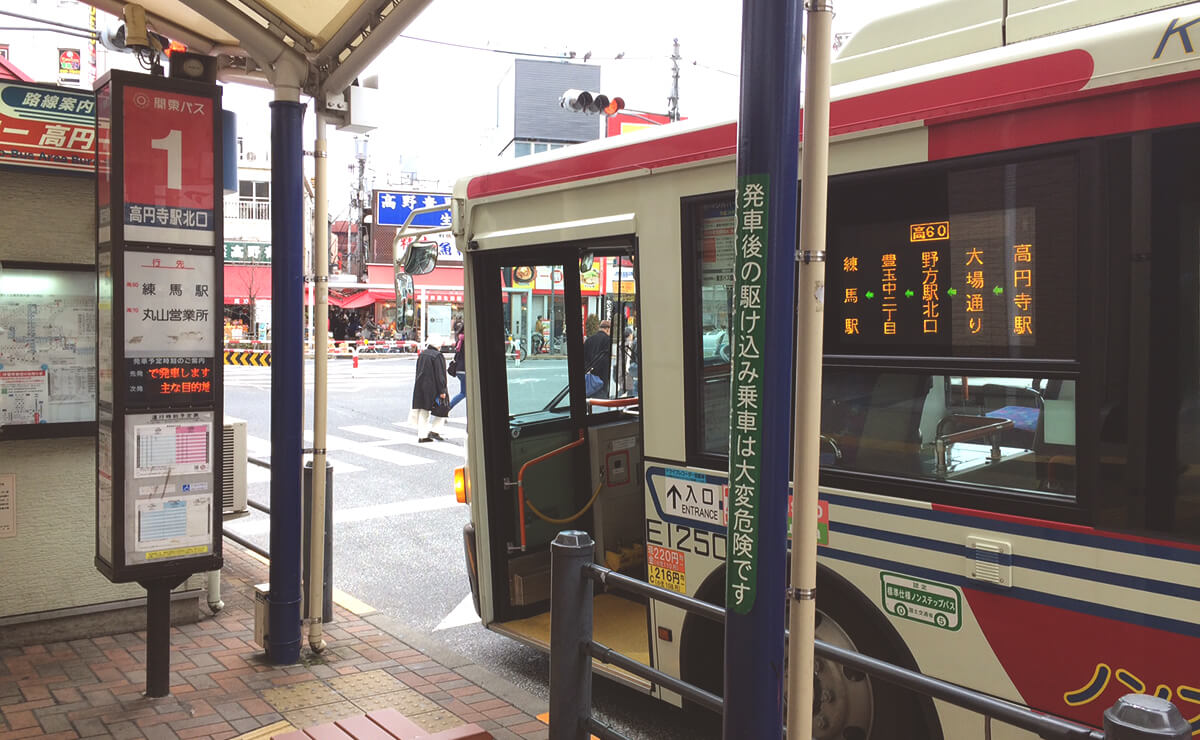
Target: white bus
(1010, 480)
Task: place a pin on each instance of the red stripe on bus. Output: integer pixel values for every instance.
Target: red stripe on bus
(1051, 654)
(709, 143)
(1006, 84)
(1053, 75)
(1136, 106)
(1062, 527)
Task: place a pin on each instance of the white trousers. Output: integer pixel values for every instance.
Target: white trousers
(425, 422)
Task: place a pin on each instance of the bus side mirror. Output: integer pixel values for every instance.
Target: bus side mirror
(405, 305)
(419, 258)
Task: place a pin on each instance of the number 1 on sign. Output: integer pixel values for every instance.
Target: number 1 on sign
(172, 144)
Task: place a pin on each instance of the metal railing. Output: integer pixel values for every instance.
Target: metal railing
(253, 505)
(248, 209)
(573, 574)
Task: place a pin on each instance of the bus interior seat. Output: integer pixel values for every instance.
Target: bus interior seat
(1022, 406)
(934, 410)
(891, 432)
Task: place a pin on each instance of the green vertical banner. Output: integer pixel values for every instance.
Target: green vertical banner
(746, 392)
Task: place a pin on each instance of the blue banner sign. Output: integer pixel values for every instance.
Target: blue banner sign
(392, 208)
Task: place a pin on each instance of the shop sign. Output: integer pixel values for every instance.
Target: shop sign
(47, 128)
(247, 252)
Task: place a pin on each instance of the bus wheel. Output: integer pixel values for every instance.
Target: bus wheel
(843, 703)
(848, 704)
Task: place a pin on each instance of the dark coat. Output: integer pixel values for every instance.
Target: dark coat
(597, 355)
(430, 381)
(460, 353)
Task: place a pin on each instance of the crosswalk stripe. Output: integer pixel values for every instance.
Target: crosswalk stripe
(392, 434)
(389, 436)
(261, 447)
(462, 614)
(258, 525)
(385, 454)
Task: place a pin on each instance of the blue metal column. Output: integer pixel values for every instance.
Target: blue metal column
(768, 154)
(287, 379)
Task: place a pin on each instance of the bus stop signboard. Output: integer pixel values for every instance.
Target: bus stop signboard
(159, 474)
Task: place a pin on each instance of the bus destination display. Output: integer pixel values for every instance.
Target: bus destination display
(966, 282)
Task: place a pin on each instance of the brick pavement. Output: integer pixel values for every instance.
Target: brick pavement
(222, 686)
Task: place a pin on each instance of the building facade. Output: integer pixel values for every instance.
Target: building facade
(529, 118)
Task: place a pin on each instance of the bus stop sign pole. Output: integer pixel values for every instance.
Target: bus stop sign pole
(761, 374)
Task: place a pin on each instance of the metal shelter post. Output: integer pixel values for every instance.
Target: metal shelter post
(287, 378)
(761, 382)
(320, 259)
(809, 330)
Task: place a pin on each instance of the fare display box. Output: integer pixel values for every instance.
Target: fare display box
(159, 265)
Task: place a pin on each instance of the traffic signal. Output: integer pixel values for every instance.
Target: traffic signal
(583, 101)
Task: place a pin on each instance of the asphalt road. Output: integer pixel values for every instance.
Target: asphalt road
(398, 529)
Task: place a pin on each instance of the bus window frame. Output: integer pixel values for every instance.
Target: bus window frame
(692, 342)
(1092, 250)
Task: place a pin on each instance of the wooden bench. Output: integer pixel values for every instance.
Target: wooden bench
(383, 724)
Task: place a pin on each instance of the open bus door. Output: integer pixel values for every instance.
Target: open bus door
(554, 458)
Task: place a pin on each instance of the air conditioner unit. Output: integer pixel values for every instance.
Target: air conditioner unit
(233, 454)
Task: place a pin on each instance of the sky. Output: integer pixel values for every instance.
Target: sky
(440, 78)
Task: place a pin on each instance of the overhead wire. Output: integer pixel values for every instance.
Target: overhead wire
(620, 57)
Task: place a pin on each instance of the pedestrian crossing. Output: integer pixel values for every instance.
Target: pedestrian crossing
(343, 376)
(350, 448)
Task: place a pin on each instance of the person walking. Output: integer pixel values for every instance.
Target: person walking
(597, 358)
(458, 365)
(429, 401)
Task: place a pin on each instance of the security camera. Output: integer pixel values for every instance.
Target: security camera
(112, 37)
(132, 34)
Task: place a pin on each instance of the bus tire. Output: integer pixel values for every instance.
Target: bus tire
(469, 550)
(846, 618)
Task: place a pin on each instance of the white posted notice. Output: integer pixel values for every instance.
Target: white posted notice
(174, 522)
(168, 305)
(8, 505)
(172, 448)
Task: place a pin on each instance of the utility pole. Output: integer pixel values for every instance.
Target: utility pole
(359, 264)
(673, 100)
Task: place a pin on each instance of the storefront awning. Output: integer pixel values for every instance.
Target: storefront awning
(245, 284)
(440, 296)
(366, 298)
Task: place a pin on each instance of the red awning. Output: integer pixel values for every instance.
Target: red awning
(9, 71)
(244, 283)
(367, 297)
(440, 296)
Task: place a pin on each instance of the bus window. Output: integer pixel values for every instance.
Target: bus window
(712, 242)
(621, 302)
(532, 307)
(1016, 433)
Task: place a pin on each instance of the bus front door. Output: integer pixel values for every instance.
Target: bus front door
(534, 420)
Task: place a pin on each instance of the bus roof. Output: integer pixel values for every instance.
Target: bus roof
(931, 31)
(1135, 52)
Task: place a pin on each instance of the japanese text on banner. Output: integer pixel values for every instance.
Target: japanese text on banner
(745, 414)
